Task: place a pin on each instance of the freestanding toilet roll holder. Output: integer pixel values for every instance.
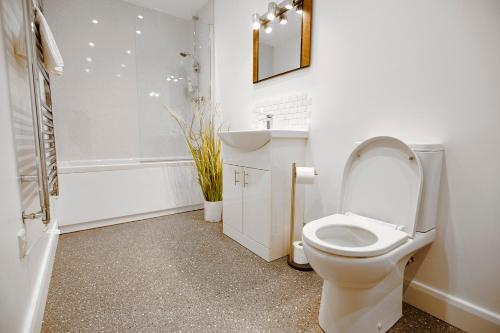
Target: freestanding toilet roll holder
(291, 263)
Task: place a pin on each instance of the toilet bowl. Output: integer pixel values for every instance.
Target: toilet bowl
(387, 212)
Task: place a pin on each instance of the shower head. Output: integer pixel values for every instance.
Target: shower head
(185, 54)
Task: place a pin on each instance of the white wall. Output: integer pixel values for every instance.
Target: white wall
(23, 281)
(421, 71)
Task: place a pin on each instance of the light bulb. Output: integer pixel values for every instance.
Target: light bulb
(271, 12)
(289, 5)
(140, 17)
(283, 19)
(128, 51)
(269, 29)
(138, 32)
(299, 10)
(255, 21)
(91, 44)
(88, 59)
(95, 21)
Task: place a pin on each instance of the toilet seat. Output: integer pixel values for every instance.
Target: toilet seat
(353, 235)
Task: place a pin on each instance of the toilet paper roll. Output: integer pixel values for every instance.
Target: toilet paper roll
(305, 175)
(298, 253)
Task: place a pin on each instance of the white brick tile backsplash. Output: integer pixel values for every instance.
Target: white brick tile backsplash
(289, 112)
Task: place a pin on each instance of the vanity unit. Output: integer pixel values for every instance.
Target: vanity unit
(257, 185)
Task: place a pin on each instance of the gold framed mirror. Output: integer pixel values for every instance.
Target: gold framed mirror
(282, 40)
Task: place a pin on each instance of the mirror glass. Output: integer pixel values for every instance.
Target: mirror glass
(280, 49)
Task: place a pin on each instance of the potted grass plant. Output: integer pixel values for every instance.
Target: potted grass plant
(200, 134)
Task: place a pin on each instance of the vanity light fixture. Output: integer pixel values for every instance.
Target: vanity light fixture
(272, 10)
(276, 11)
(283, 19)
(255, 21)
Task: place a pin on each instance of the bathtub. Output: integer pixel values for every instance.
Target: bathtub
(96, 193)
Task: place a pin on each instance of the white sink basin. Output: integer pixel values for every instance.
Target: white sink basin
(255, 139)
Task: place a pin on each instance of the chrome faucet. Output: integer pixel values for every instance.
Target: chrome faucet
(269, 121)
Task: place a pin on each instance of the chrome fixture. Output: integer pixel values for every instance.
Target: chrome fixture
(269, 121)
(43, 119)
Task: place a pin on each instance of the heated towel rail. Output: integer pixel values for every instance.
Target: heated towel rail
(43, 118)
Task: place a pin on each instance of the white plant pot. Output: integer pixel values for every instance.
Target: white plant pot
(213, 211)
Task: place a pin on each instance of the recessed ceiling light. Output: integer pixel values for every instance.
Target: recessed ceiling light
(128, 51)
(87, 70)
(91, 44)
(88, 59)
(140, 17)
(123, 65)
(95, 21)
(138, 32)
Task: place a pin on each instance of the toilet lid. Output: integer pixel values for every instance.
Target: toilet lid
(383, 180)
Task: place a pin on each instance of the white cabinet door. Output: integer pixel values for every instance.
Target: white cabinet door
(232, 192)
(257, 205)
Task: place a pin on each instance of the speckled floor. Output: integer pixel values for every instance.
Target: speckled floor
(181, 274)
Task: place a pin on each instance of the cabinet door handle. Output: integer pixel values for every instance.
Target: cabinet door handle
(245, 179)
(236, 173)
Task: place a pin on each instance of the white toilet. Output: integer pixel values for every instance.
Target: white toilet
(387, 212)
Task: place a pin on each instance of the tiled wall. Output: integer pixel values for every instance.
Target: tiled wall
(289, 111)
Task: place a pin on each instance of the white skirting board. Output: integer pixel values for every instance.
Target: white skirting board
(453, 310)
(124, 219)
(34, 318)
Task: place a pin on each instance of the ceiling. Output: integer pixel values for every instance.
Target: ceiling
(180, 8)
